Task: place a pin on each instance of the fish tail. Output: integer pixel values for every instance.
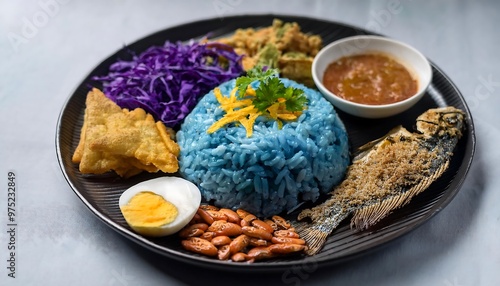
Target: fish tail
(316, 232)
(315, 238)
(367, 216)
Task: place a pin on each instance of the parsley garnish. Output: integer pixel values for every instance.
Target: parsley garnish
(271, 90)
(271, 99)
(257, 73)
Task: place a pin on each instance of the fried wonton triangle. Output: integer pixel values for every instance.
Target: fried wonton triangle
(121, 140)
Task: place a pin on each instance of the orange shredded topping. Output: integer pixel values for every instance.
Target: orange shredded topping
(243, 111)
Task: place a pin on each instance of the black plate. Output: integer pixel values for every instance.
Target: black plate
(101, 193)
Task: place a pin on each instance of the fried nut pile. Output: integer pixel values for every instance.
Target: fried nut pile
(239, 236)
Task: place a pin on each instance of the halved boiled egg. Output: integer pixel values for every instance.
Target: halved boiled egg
(160, 206)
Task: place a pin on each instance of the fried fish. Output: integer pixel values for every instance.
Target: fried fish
(385, 175)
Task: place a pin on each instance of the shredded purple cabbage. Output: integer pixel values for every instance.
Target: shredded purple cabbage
(167, 81)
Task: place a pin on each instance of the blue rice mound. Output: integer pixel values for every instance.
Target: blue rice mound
(273, 170)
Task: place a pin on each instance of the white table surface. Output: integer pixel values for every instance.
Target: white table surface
(60, 242)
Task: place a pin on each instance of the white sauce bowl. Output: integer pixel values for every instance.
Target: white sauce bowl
(416, 63)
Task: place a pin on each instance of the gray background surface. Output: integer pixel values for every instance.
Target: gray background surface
(61, 243)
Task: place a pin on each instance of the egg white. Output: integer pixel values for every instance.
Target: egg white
(181, 193)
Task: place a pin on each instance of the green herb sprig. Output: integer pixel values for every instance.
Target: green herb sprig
(271, 90)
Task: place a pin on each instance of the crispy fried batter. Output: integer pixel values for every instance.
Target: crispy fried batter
(127, 142)
(281, 45)
(77, 156)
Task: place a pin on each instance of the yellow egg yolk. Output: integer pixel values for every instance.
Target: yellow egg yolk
(147, 209)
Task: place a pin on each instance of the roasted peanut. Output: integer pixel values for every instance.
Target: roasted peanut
(221, 227)
(196, 229)
(242, 213)
(239, 243)
(205, 216)
(256, 232)
(221, 240)
(229, 234)
(239, 257)
(291, 240)
(286, 248)
(262, 225)
(281, 222)
(249, 218)
(208, 235)
(224, 252)
(196, 219)
(191, 232)
(232, 216)
(286, 233)
(272, 224)
(217, 215)
(259, 253)
(200, 225)
(209, 207)
(200, 246)
(258, 242)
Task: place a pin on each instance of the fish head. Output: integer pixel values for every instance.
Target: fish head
(441, 121)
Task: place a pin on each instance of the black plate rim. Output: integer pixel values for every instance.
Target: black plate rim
(455, 184)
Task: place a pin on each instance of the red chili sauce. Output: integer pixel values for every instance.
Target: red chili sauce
(369, 79)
